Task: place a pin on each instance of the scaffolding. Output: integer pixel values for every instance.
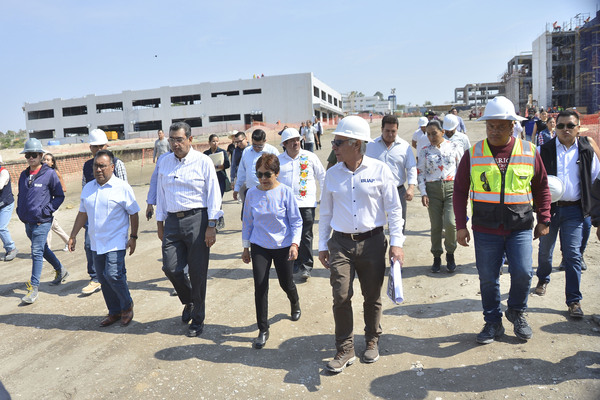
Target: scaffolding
(589, 65)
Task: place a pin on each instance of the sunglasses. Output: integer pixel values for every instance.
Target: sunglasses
(568, 126)
(177, 139)
(339, 142)
(32, 155)
(267, 174)
(486, 183)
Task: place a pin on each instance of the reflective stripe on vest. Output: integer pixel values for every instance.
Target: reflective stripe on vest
(485, 174)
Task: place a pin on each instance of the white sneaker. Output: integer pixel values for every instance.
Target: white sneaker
(66, 249)
(92, 287)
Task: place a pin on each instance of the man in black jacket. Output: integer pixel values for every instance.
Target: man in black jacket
(572, 159)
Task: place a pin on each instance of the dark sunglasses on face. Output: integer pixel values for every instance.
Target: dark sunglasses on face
(32, 155)
(267, 174)
(338, 142)
(562, 126)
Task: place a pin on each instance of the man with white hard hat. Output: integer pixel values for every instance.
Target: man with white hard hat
(452, 133)
(502, 175)
(571, 159)
(419, 138)
(98, 141)
(397, 154)
(359, 197)
(301, 170)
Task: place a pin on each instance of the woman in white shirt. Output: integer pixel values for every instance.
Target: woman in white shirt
(271, 230)
(436, 168)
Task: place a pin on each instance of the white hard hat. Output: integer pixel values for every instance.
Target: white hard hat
(289, 133)
(423, 121)
(98, 137)
(500, 108)
(450, 122)
(557, 188)
(354, 127)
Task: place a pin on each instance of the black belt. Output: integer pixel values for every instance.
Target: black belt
(568, 203)
(181, 214)
(359, 237)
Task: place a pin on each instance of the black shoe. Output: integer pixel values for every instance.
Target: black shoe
(450, 263)
(261, 339)
(583, 265)
(561, 267)
(522, 329)
(490, 332)
(296, 311)
(437, 264)
(186, 315)
(195, 330)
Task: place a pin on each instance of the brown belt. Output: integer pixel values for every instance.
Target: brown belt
(568, 203)
(359, 237)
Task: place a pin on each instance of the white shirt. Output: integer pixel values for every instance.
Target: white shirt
(517, 129)
(309, 134)
(357, 202)
(399, 157)
(422, 139)
(460, 139)
(301, 174)
(187, 184)
(438, 163)
(108, 208)
(246, 173)
(567, 170)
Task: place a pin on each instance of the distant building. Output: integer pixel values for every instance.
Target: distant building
(518, 81)
(478, 94)
(207, 107)
(373, 104)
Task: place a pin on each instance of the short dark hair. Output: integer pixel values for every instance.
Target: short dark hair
(211, 137)
(240, 134)
(389, 119)
(269, 161)
(453, 109)
(106, 153)
(259, 135)
(568, 113)
(436, 124)
(181, 125)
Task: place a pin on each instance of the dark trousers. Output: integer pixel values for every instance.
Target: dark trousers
(261, 264)
(366, 259)
(183, 244)
(305, 254)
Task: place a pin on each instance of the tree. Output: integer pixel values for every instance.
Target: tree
(427, 103)
(379, 94)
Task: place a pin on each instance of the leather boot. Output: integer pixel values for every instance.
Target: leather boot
(296, 311)
(261, 339)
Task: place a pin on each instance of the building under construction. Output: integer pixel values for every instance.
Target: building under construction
(565, 65)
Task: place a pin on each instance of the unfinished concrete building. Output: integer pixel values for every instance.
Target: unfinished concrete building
(478, 94)
(518, 81)
(565, 65)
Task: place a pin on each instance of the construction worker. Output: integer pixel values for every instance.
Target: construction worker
(502, 175)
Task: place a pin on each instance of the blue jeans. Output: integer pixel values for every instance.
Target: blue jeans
(89, 255)
(585, 235)
(309, 146)
(569, 221)
(5, 215)
(38, 234)
(489, 249)
(113, 277)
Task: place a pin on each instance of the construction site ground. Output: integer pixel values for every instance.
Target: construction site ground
(54, 348)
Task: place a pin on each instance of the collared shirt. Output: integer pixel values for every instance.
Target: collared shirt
(246, 173)
(108, 208)
(309, 133)
(399, 157)
(187, 184)
(301, 174)
(421, 138)
(358, 201)
(151, 198)
(567, 170)
(438, 163)
(271, 218)
(88, 171)
(460, 139)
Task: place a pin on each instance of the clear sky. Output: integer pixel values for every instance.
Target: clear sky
(424, 49)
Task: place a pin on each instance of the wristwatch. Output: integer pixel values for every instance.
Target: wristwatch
(547, 223)
(212, 223)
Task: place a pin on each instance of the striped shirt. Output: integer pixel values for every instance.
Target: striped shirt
(187, 184)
